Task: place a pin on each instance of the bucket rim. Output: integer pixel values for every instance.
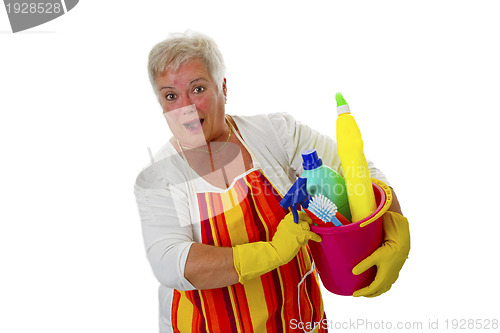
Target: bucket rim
(385, 201)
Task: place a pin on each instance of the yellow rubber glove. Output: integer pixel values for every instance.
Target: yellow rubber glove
(389, 258)
(254, 259)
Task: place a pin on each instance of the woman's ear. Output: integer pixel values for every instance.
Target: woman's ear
(224, 87)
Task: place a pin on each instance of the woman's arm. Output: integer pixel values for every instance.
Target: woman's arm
(214, 267)
(209, 267)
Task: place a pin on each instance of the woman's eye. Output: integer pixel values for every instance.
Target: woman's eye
(170, 97)
(198, 89)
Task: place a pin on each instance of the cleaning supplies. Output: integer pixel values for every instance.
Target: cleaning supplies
(324, 180)
(356, 173)
(297, 194)
(324, 209)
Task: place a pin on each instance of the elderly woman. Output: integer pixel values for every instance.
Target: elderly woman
(227, 256)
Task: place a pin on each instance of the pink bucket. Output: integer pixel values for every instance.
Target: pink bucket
(344, 247)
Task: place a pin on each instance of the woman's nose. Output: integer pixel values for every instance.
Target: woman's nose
(189, 109)
(186, 100)
(184, 110)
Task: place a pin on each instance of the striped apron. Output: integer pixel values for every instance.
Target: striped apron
(287, 299)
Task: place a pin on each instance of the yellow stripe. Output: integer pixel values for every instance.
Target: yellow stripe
(228, 199)
(184, 313)
(256, 304)
(237, 231)
(232, 194)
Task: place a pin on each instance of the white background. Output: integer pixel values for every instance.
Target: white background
(77, 113)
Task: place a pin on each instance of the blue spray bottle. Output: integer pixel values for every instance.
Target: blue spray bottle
(324, 180)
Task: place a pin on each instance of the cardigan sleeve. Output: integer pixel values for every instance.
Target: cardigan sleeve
(166, 228)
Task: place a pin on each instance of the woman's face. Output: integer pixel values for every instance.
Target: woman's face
(192, 104)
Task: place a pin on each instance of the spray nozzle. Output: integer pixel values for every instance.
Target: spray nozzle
(296, 195)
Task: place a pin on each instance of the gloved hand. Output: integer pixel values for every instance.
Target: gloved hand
(389, 258)
(254, 259)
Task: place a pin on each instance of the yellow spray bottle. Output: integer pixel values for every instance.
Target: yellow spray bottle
(356, 173)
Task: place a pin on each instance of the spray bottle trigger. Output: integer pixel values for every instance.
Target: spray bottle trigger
(296, 195)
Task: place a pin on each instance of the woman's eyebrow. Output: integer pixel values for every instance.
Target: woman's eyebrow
(198, 79)
(167, 87)
(190, 82)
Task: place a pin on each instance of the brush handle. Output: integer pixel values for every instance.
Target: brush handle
(336, 222)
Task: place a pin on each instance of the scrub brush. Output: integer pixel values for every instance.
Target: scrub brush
(324, 209)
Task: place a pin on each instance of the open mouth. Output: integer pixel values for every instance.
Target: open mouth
(194, 125)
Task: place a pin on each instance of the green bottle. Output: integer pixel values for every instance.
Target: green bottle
(324, 180)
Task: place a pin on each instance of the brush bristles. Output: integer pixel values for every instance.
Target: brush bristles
(323, 208)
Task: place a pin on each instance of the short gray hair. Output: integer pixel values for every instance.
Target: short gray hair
(180, 48)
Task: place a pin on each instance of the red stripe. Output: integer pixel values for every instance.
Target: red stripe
(175, 307)
(215, 205)
(217, 316)
(252, 220)
(279, 300)
(305, 305)
(251, 227)
(206, 229)
(229, 310)
(290, 276)
(267, 202)
(199, 323)
(270, 296)
(241, 304)
(257, 221)
(221, 225)
(311, 293)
